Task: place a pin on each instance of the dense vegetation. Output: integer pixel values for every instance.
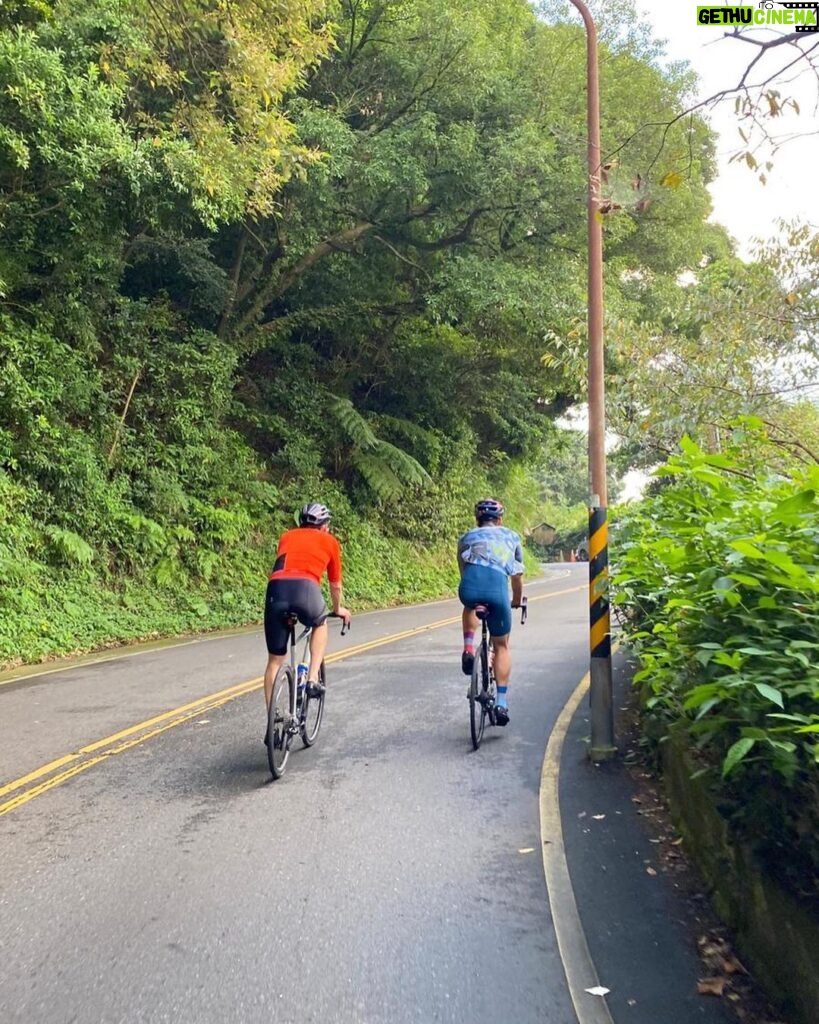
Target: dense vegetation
(255, 252)
(718, 575)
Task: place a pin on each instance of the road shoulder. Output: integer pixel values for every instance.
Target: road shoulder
(638, 924)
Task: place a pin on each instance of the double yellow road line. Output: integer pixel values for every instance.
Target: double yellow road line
(48, 776)
(27, 787)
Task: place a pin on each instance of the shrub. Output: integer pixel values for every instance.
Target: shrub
(718, 575)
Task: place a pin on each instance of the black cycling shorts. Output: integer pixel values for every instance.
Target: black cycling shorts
(304, 597)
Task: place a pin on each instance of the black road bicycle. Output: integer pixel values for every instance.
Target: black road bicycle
(296, 707)
(483, 689)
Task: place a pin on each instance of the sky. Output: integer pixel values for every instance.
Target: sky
(742, 204)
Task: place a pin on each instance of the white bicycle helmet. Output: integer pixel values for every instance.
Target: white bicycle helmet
(314, 514)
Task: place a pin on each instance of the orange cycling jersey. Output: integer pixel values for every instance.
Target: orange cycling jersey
(305, 553)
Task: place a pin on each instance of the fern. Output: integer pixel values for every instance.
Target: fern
(403, 465)
(419, 436)
(357, 429)
(387, 469)
(378, 475)
(69, 546)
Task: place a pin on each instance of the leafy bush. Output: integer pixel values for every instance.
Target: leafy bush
(718, 575)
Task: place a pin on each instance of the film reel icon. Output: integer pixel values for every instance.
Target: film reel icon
(803, 7)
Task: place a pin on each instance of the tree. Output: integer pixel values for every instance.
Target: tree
(247, 252)
(432, 263)
(737, 340)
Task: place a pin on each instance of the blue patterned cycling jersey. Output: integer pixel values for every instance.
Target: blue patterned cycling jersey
(494, 546)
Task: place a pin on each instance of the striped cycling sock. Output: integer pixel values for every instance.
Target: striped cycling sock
(469, 641)
(502, 696)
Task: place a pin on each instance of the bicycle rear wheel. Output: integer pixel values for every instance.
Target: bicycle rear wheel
(313, 713)
(279, 720)
(478, 689)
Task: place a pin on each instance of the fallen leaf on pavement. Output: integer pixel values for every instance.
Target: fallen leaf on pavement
(732, 966)
(712, 986)
(527, 849)
(598, 990)
(650, 871)
(598, 817)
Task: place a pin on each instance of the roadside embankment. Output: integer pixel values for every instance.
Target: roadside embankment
(776, 931)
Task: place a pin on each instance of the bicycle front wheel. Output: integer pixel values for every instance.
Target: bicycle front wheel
(478, 690)
(313, 713)
(279, 720)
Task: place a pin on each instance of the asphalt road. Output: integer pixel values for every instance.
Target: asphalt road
(393, 875)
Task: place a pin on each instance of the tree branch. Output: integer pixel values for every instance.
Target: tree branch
(121, 423)
(227, 312)
(338, 242)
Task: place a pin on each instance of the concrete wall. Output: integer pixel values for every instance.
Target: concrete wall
(776, 934)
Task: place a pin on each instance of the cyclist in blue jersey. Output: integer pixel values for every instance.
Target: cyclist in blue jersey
(488, 556)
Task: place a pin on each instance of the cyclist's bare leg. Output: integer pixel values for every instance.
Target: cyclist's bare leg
(470, 620)
(318, 645)
(503, 660)
(274, 663)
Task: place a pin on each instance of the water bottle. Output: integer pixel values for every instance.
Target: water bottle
(301, 678)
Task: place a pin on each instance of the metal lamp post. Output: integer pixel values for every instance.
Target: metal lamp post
(602, 717)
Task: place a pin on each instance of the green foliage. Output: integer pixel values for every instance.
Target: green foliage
(717, 574)
(736, 340)
(252, 253)
(69, 546)
(387, 468)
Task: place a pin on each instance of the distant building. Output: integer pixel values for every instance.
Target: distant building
(543, 535)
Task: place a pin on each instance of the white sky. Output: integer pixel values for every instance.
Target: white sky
(742, 204)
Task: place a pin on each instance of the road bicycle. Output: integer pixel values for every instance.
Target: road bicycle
(296, 707)
(483, 689)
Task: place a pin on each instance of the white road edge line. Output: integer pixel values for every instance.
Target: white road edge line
(578, 966)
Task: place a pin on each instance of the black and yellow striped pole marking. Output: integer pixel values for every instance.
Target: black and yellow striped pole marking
(600, 689)
(599, 618)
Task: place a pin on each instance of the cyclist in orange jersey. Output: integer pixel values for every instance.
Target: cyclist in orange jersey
(303, 556)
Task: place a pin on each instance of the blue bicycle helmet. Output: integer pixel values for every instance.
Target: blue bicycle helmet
(488, 508)
(314, 514)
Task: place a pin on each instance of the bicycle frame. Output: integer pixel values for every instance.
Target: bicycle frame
(291, 716)
(294, 642)
(484, 660)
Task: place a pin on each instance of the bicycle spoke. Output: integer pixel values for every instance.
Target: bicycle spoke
(478, 694)
(313, 712)
(279, 722)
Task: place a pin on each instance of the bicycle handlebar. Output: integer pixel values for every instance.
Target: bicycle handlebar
(346, 627)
